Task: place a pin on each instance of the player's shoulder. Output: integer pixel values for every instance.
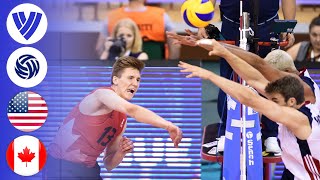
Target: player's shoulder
(102, 91)
(108, 89)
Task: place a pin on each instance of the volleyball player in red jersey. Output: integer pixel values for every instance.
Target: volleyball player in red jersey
(97, 124)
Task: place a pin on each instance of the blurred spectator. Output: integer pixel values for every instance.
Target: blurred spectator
(308, 50)
(125, 41)
(153, 22)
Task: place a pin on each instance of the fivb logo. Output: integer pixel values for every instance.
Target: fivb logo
(27, 23)
(27, 67)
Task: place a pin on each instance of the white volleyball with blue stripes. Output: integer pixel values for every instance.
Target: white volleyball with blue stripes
(197, 13)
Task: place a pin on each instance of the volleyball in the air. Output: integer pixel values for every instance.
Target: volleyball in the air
(197, 13)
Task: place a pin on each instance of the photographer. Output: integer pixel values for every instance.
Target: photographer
(125, 41)
(152, 21)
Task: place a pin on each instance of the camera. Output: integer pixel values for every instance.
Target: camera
(118, 46)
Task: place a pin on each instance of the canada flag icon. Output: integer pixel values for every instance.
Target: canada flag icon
(26, 155)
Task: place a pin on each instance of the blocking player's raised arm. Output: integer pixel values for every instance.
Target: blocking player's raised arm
(251, 75)
(294, 120)
(236, 90)
(269, 72)
(288, 116)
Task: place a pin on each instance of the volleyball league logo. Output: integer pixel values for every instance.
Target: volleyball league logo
(27, 23)
(27, 67)
(27, 111)
(26, 155)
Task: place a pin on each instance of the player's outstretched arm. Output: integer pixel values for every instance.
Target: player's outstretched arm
(267, 71)
(141, 114)
(252, 76)
(189, 40)
(290, 117)
(235, 90)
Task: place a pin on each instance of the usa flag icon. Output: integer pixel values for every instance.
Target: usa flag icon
(26, 155)
(27, 111)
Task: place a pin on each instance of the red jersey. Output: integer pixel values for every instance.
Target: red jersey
(82, 138)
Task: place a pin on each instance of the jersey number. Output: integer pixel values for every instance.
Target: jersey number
(109, 135)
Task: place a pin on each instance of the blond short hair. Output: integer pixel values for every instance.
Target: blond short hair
(129, 23)
(280, 60)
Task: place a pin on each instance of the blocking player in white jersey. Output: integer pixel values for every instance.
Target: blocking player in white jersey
(308, 149)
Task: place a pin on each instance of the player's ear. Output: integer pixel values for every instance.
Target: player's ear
(115, 80)
(292, 102)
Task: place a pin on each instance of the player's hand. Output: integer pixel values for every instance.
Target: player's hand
(194, 70)
(126, 145)
(213, 46)
(175, 134)
(193, 35)
(184, 40)
(202, 33)
(288, 37)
